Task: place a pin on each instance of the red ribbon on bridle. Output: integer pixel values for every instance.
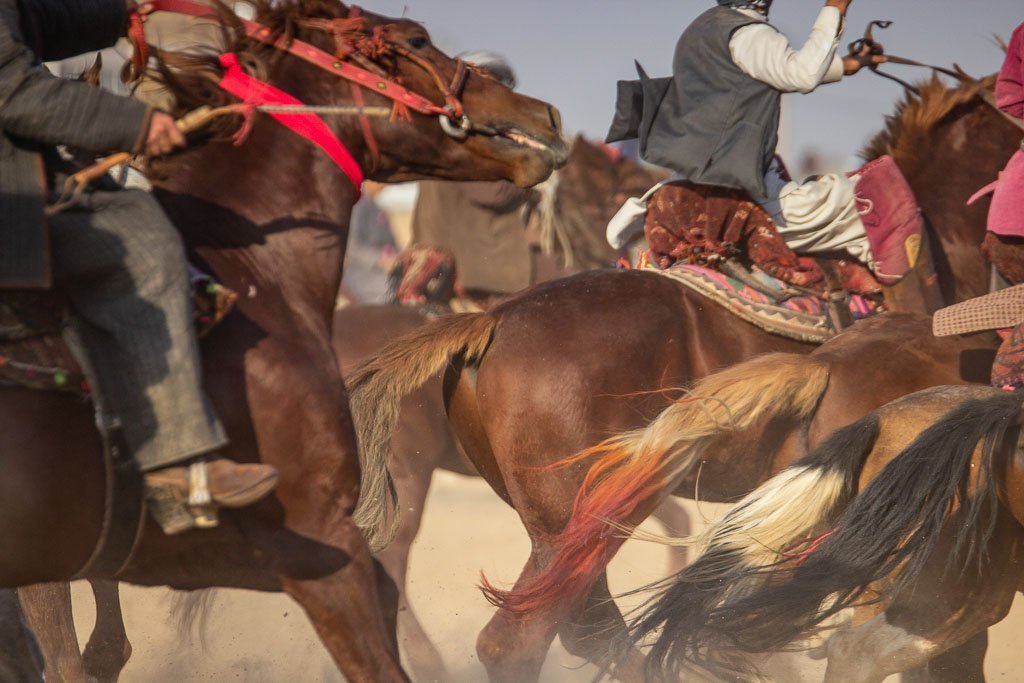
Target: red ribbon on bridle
(351, 41)
(255, 93)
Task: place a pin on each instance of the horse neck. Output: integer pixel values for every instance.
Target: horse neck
(949, 165)
(269, 218)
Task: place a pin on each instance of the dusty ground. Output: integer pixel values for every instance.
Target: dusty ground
(266, 638)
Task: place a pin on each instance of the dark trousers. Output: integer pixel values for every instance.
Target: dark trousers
(122, 264)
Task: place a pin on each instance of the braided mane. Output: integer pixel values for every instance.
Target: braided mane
(918, 114)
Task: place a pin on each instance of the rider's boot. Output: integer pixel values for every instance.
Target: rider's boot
(901, 257)
(188, 496)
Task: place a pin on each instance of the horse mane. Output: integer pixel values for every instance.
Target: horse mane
(917, 114)
(190, 78)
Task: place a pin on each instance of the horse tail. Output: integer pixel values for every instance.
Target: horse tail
(777, 519)
(193, 609)
(376, 388)
(648, 463)
(893, 526)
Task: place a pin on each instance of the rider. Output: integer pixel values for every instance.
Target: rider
(115, 256)
(715, 121)
(483, 224)
(1006, 213)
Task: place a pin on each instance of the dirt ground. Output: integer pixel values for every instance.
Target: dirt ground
(261, 638)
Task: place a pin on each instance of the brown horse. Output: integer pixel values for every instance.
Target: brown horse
(587, 192)
(917, 511)
(560, 367)
(269, 219)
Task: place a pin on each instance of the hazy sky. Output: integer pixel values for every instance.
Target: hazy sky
(571, 52)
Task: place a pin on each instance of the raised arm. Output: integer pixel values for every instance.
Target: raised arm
(765, 54)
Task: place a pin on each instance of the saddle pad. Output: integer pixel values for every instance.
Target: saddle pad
(804, 318)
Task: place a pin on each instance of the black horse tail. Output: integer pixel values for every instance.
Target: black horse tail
(891, 529)
(801, 503)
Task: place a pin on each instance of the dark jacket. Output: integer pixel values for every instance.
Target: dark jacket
(710, 121)
(483, 225)
(39, 111)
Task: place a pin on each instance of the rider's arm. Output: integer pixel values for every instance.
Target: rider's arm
(40, 107)
(1010, 86)
(765, 54)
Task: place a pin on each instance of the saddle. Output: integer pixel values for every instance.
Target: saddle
(724, 229)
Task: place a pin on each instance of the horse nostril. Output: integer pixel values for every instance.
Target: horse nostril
(556, 119)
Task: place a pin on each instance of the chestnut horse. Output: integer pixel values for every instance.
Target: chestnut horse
(565, 364)
(586, 192)
(269, 219)
(918, 511)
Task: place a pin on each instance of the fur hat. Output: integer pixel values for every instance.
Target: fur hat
(759, 5)
(494, 63)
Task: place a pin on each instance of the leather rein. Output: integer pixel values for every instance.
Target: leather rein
(874, 48)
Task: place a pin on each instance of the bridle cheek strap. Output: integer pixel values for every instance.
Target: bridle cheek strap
(256, 93)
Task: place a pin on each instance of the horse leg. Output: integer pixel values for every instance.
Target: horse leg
(47, 610)
(598, 634)
(20, 657)
(943, 617)
(412, 484)
(511, 647)
(674, 518)
(108, 649)
(962, 664)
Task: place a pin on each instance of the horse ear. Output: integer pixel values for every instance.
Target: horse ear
(92, 74)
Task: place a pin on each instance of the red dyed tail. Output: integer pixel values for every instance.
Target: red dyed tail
(634, 471)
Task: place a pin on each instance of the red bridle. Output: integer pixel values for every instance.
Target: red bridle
(352, 42)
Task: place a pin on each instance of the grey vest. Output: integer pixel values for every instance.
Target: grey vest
(710, 121)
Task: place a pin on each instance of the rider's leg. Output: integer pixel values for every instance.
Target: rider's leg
(122, 265)
(818, 215)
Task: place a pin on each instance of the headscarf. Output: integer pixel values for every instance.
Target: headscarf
(760, 5)
(494, 63)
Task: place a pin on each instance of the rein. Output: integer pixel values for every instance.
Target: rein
(874, 48)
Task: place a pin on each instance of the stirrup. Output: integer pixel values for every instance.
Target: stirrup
(176, 516)
(200, 500)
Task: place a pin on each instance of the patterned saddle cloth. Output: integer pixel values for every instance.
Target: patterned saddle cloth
(35, 352)
(770, 303)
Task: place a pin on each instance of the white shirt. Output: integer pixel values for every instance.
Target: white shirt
(764, 53)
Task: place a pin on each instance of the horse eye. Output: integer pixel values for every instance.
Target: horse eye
(417, 42)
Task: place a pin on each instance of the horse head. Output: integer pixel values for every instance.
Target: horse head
(478, 129)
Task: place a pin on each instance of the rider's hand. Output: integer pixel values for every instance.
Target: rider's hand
(854, 63)
(163, 136)
(841, 5)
